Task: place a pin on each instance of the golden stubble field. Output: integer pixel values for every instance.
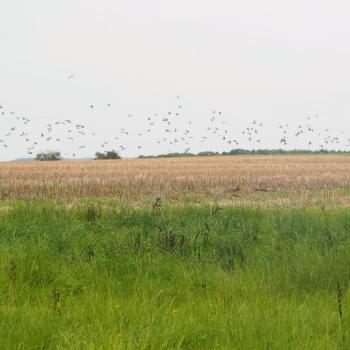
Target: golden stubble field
(237, 178)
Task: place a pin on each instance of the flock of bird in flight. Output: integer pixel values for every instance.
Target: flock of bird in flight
(165, 130)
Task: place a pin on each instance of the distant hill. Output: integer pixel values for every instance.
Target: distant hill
(83, 158)
(22, 160)
(32, 159)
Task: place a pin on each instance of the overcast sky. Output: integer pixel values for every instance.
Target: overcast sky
(273, 61)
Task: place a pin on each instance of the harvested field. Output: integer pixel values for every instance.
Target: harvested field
(206, 176)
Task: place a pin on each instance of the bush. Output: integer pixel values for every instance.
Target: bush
(48, 156)
(107, 155)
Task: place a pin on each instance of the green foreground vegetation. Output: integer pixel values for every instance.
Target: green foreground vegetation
(174, 278)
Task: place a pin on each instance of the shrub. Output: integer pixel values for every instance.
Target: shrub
(48, 156)
(107, 155)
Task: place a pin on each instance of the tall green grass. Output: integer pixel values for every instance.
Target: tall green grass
(174, 278)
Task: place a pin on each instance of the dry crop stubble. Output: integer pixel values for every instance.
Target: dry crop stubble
(172, 177)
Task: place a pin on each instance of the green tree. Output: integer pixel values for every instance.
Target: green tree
(107, 155)
(48, 156)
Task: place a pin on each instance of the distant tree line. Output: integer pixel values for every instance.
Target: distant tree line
(241, 151)
(54, 156)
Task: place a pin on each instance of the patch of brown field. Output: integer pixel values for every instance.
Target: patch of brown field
(176, 177)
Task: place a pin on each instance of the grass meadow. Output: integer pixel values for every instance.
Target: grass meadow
(174, 278)
(216, 253)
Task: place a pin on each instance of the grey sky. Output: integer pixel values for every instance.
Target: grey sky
(273, 61)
